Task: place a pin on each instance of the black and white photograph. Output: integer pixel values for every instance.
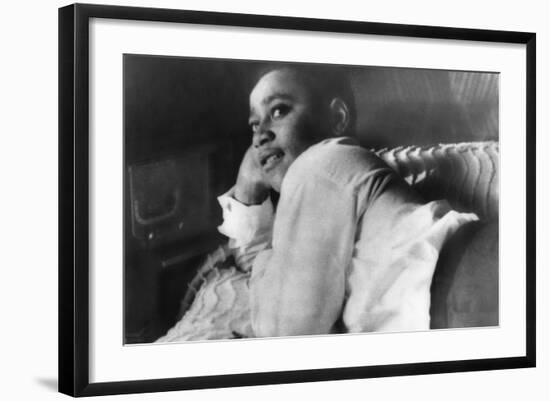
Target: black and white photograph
(272, 199)
(293, 200)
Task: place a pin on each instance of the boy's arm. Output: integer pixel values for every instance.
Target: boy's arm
(298, 287)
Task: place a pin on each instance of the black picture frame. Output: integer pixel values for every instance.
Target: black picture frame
(74, 198)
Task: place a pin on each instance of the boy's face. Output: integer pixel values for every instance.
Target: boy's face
(284, 120)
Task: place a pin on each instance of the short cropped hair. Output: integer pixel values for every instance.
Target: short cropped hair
(325, 82)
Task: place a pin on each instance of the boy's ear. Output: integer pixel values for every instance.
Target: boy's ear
(339, 116)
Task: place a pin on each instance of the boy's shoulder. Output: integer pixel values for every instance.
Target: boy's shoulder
(338, 156)
(340, 159)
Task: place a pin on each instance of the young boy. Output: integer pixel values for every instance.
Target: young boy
(351, 247)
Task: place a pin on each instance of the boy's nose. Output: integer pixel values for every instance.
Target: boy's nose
(262, 137)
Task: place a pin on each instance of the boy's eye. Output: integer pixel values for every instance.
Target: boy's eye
(279, 111)
(254, 126)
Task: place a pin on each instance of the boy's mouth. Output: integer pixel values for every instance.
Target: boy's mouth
(269, 159)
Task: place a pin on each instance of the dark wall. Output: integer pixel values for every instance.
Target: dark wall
(171, 104)
(398, 106)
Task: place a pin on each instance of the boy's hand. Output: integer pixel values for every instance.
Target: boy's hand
(252, 187)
